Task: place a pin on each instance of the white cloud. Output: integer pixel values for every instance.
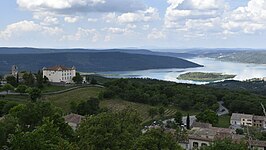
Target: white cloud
(80, 6)
(83, 34)
(39, 5)
(195, 15)
(70, 19)
(156, 34)
(147, 15)
(113, 30)
(49, 20)
(109, 17)
(247, 19)
(23, 27)
(92, 20)
(18, 28)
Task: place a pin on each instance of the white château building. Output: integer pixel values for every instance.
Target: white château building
(59, 74)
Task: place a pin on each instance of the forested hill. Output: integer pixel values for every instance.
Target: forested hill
(92, 62)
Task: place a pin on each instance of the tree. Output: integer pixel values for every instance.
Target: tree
(39, 79)
(208, 116)
(46, 136)
(93, 81)
(8, 106)
(153, 112)
(156, 139)
(240, 131)
(29, 79)
(11, 80)
(34, 93)
(45, 80)
(89, 107)
(109, 130)
(30, 115)
(21, 89)
(188, 122)
(7, 127)
(78, 78)
(8, 87)
(226, 144)
(178, 118)
(88, 79)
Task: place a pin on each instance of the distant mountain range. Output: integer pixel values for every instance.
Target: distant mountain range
(93, 61)
(10, 50)
(251, 56)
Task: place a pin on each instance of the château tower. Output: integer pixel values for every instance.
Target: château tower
(14, 70)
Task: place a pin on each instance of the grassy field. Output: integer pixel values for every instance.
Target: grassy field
(53, 88)
(15, 98)
(224, 121)
(63, 100)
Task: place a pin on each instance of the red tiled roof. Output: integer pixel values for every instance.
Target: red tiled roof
(58, 68)
(73, 118)
(258, 143)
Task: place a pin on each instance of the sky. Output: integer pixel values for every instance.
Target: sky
(133, 23)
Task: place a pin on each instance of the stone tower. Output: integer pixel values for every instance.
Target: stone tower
(14, 70)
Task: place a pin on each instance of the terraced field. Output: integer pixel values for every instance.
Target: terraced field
(63, 100)
(142, 109)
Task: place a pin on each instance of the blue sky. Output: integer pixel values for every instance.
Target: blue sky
(133, 23)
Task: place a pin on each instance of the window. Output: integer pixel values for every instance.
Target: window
(195, 144)
(203, 144)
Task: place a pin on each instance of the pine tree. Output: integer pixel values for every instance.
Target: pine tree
(188, 122)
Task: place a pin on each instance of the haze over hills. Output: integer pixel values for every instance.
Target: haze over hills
(28, 50)
(254, 56)
(92, 61)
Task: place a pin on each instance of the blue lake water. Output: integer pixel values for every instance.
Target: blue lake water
(243, 71)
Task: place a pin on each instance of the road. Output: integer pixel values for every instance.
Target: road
(222, 110)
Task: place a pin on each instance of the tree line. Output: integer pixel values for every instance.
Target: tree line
(183, 96)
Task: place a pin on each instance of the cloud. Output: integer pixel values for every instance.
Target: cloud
(113, 30)
(69, 19)
(92, 20)
(156, 34)
(80, 6)
(82, 34)
(247, 19)
(49, 20)
(23, 27)
(189, 15)
(147, 15)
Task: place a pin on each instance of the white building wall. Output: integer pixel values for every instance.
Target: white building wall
(60, 76)
(236, 122)
(199, 143)
(246, 122)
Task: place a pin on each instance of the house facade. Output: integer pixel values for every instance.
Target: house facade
(259, 121)
(248, 120)
(58, 74)
(203, 134)
(241, 119)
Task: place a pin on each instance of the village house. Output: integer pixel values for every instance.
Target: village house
(73, 120)
(203, 134)
(257, 145)
(259, 121)
(59, 74)
(241, 119)
(248, 120)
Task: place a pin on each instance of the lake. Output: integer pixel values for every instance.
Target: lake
(242, 71)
